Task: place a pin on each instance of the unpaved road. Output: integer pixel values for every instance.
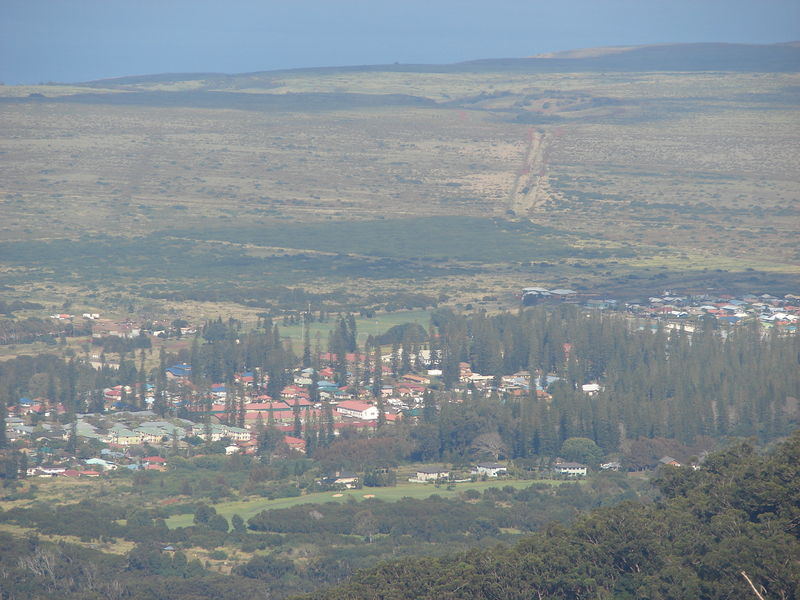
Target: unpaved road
(531, 189)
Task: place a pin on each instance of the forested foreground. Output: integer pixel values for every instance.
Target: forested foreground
(741, 513)
(279, 552)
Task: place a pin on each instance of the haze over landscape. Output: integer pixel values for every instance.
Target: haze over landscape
(413, 300)
(69, 41)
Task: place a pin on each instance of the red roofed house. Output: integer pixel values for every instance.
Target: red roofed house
(249, 447)
(295, 443)
(294, 391)
(112, 395)
(302, 402)
(279, 416)
(418, 379)
(266, 406)
(410, 389)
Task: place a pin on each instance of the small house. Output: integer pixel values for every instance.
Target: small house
(295, 443)
(431, 474)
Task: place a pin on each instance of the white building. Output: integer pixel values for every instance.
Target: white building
(359, 410)
(590, 388)
(431, 474)
(489, 469)
(572, 469)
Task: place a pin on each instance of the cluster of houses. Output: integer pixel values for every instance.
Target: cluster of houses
(96, 467)
(102, 327)
(314, 396)
(128, 420)
(484, 469)
(121, 435)
(489, 470)
(561, 467)
(782, 311)
(402, 397)
(536, 295)
(726, 309)
(124, 427)
(308, 393)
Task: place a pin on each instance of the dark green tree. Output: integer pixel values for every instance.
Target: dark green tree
(377, 377)
(306, 344)
(238, 524)
(429, 411)
(298, 424)
(582, 450)
(203, 514)
(3, 415)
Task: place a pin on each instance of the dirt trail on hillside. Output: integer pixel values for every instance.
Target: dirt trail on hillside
(531, 188)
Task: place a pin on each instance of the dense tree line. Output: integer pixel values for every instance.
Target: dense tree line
(8, 307)
(70, 382)
(661, 391)
(33, 329)
(74, 383)
(116, 344)
(655, 383)
(228, 350)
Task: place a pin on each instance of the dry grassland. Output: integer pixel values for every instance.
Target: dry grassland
(685, 171)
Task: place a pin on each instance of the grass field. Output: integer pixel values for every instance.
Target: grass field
(365, 326)
(250, 508)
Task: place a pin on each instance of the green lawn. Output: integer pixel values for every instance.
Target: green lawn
(249, 508)
(379, 324)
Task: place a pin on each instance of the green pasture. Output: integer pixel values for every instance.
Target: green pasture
(365, 326)
(250, 508)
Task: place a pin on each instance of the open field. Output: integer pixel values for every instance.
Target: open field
(250, 508)
(232, 192)
(365, 326)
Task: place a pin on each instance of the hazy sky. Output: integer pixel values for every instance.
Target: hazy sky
(80, 40)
